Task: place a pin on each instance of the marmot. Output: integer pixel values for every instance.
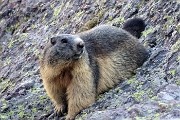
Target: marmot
(76, 68)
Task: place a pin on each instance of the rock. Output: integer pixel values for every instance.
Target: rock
(169, 31)
(20, 89)
(153, 92)
(6, 13)
(115, 114)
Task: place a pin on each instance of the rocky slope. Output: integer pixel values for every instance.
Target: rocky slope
(25, 26)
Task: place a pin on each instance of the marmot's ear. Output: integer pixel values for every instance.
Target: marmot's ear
(135, 26)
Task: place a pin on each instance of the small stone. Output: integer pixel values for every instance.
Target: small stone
(169, 31)
(165, 96)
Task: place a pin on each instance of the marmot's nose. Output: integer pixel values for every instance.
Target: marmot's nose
(80, 45)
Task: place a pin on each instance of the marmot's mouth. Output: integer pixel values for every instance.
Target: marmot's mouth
(78, 55)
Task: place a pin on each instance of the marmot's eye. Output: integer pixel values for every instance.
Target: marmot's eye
(53, 41)
(64, 40)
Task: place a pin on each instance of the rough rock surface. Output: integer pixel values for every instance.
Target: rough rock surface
(25, 25)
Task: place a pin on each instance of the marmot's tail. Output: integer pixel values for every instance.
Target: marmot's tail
(134, 26)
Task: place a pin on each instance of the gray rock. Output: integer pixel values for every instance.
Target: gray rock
(153, 93)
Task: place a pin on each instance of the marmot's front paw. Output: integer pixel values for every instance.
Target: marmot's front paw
(68, 117)
(60, 109)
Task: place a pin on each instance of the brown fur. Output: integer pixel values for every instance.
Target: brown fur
(72, 84)
(114, 67)
(64, 87)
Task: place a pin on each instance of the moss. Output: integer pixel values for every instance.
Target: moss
(34, 110)
(169, 19)
(141, 118)
(157, 116)
(178, 28)
(140, 4)
(138, 95)
(176, 46)
(92, 22)
(133, 81)
(21, 114)
(33, 26)
(148, 31)
(22, 111)
(5, 84)
(100, 14)
(172, 72)
(23, 36)
(57, 10)
(129, 6)
(52, 5)
(1, 48)
(83, 116)
(178, 58)
(80, 13)
(118, 20)
(7, 61)
(44, 17)
(4, 104)
(13, 27)
(150, 93)
(48, 108)
(89, 24)
(33, 90)
(37, 53)
(178, 105)
(43, 97)
(177, 82)
(154, 98)
(110, 18)
(99, 97)
(3, 117)
(118, 90)
(11, 113)
(11, 43)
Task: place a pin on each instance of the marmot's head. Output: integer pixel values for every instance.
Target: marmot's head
(63, 50)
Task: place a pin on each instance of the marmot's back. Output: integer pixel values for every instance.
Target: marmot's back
(116, 51)
(104, 40)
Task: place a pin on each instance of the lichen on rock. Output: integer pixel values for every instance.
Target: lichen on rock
(25, 26)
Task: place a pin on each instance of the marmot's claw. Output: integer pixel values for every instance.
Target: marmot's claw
(69, 118)
(60, 110)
